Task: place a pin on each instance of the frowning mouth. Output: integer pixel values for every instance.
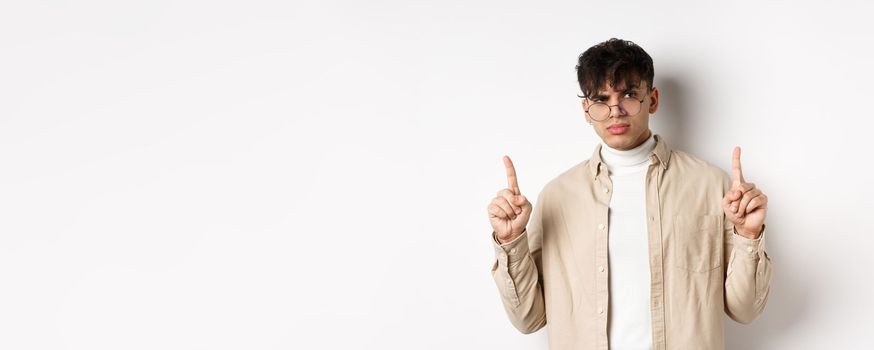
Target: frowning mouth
(618, 129)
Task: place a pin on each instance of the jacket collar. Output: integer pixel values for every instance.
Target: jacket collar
(662, 156)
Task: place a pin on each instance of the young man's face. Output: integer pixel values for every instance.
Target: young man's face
(621, 130)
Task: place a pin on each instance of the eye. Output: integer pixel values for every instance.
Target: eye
(630, 94)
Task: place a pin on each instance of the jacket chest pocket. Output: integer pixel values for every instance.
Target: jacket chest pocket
(698, 242)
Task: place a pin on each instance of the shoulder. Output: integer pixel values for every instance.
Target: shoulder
(691, 167)
(568, 181)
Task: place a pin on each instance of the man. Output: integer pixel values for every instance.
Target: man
(639, 247)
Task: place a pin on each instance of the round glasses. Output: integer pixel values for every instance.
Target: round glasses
(600, 111)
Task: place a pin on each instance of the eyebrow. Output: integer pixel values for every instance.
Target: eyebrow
(602, 95)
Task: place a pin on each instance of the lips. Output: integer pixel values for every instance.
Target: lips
(617, 129)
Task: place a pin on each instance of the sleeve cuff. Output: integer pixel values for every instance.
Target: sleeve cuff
(511, 251)
(750, 247)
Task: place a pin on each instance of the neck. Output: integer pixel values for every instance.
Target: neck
(635, 156)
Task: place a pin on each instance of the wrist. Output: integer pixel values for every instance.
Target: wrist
(748, 234)
(509, 239)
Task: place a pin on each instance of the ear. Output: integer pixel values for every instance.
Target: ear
(654, 100)
(586, 115)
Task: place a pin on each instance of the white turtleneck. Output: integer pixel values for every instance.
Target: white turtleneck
(630, 322)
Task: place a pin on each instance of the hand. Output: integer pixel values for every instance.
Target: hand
(509, 210)
(744, 205)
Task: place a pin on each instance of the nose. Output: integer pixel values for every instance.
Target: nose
(619, 111)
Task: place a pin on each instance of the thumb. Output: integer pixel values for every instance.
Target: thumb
(735, 194)
(519, 200)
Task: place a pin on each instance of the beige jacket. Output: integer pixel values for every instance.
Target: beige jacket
(556, 272)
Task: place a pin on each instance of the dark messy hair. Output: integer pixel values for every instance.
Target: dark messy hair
(614, 61)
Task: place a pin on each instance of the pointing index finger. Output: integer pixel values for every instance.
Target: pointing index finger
(511, 175)
(737, 172)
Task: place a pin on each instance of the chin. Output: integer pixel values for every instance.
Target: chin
(619, 141)
(626, 137)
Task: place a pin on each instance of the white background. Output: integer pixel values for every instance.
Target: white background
(315, 174)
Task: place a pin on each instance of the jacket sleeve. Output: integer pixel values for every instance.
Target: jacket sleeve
(517, 271)
(748, 271)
